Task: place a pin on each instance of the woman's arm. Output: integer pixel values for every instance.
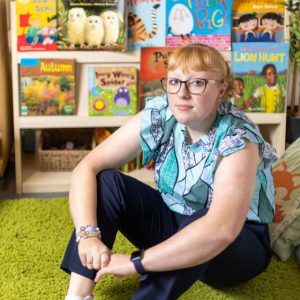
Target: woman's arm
(121, 147)
(206, 237)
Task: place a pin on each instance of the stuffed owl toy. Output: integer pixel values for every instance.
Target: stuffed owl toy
(94, 31)
(76, 27)
(111, 27)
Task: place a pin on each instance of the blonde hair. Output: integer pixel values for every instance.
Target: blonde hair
(199, 57)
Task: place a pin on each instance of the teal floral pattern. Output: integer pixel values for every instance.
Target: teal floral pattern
(184, 173)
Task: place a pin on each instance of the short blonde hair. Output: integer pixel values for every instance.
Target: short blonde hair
(199, 57)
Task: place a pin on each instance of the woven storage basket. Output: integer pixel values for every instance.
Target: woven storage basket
(51, 153)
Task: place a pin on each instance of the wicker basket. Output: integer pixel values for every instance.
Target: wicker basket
(52, 154)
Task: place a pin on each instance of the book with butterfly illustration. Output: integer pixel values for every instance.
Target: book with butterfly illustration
(260, 76)
(154, 63)
(192, 22)
(112, 91)
(92, 25)
(47, 86)
(36, 25)
(146, 23)
(258, 21)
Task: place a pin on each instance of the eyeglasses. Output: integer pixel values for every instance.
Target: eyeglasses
(194, 86)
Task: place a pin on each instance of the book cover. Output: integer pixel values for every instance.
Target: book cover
(47, 86)
(146, 23)
(154, 63)
(92, 25)
(258, 21)
(260, 76)
(36, 25)
(112, 91)
(206, 22)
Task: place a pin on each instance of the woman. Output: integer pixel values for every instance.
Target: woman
(208, 219)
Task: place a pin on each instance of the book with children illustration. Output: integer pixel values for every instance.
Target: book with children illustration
(36, 25)
(207, 22)
(146, 23)
(258, 21)
(112, 91)
(47, 86)
(92, 25)
(260, 76)
(154, 63)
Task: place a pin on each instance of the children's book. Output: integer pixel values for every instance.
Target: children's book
(153, 67)
(112, 91)
(92, 25)
(206, 22)
(36, 25)
(260, 76)
(47, 86)
(146, 23)
(258, 21)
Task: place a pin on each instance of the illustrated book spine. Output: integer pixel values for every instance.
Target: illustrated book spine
(146, 23)
(206, 22)
(260, 76)
(92, 25)
(36, 25)
(47, 86)
(112, 91)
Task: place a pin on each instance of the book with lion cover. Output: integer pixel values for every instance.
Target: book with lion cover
(258, 21)
(260, 76)
(47, 86)
(92, 25)
(36, 25)
(146, 23)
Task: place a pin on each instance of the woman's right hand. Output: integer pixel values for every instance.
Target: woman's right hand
(93, 253)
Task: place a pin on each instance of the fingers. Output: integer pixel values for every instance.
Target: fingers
(97, 261)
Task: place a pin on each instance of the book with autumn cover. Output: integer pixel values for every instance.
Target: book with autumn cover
(146, 23)
(92, 25)
(260, 76)
(112, 91)
(258, 21)
(36, 25)
(206, 22)
(154, 63)
(47, 86)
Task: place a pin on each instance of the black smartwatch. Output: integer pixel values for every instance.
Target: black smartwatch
(136, 258)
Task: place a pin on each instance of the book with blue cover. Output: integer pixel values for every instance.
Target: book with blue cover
(206, 22)
(260, 76)
(146, 23)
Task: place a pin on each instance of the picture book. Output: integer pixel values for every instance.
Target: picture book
(112, 91)
(258, 21)
(47, 86)
(146, 23)
(260, 76)
(36, 25)
(154, 63)
(206, 22)
(92, 25)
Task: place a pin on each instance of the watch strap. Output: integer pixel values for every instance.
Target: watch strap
(136, 258)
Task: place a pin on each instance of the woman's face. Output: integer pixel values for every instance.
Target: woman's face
(195, 110)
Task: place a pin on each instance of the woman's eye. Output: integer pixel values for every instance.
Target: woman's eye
(174, 82)
(197, 82)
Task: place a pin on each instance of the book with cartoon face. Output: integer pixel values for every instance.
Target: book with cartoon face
(112, 91)
(258, 21)
(192, 22)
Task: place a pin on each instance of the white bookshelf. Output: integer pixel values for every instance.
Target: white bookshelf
(28, 177)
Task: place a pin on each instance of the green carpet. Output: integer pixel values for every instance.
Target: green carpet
(35, 232)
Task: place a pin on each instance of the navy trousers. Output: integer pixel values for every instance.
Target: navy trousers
(138, 211)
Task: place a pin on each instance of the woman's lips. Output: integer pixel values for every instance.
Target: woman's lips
(183, 107)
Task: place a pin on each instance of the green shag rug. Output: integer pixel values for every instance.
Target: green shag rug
(34, 234)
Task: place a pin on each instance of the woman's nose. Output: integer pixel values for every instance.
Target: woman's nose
(183, 91)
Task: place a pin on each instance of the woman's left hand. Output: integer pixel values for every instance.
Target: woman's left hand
(119, 265)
